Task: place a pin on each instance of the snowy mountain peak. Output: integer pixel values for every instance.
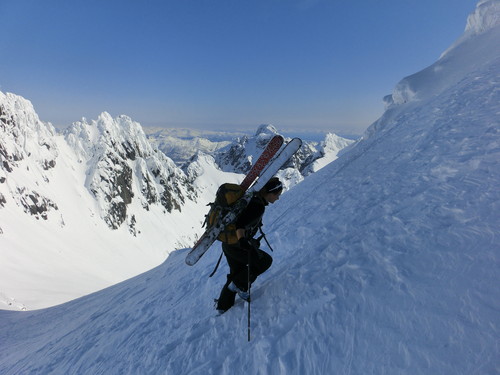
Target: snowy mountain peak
(264, 134)
(28, 153)
(23, 135)
(122, 134)
(122, 166)
(333, 141)
(266, 129)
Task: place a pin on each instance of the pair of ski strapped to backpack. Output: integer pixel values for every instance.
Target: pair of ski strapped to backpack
(227, 195)
(231, 199)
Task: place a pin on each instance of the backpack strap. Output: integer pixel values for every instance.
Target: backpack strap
(217, 265)
(263, 235)
(207, 216)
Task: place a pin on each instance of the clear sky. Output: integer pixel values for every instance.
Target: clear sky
(305, 64)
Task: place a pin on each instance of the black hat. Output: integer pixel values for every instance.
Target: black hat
(274, 185)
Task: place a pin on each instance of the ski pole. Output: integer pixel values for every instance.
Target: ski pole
(249, 296)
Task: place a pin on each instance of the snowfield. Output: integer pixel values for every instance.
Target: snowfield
(386, 260)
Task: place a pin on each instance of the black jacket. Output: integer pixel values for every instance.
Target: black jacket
(250, 218)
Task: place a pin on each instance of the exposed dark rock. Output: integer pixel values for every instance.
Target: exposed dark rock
(35, 204)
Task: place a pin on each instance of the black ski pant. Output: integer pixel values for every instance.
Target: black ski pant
(237, 259)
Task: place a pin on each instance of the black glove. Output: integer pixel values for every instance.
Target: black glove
(245, 243)
(255, 243)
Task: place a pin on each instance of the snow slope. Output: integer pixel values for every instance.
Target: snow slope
(386, 262)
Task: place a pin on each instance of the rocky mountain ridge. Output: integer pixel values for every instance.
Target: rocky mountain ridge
(122, 164)
(27, 148)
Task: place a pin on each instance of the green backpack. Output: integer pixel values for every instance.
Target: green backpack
(226, 198)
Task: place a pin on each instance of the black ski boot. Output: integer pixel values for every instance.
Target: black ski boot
(226, 298)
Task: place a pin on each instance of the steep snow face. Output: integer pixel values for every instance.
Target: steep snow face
(398, 245)
(385, 262)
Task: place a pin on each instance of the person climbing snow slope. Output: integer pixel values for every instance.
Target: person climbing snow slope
(246, 251)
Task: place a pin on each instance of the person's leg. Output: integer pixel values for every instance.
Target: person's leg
(226, 298)
(237, 259)
(260, 261)
(261, 265)
(237, 265)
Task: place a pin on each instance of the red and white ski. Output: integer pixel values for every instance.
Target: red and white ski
(208, 238)
(271, 149)
(211, 234)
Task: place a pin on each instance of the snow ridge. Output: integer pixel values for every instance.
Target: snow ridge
(456, 61)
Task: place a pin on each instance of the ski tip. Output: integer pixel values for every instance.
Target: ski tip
(190, 261)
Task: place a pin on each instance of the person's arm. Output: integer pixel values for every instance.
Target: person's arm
(249, 215)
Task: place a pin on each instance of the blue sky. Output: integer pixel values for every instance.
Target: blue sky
(298, 64)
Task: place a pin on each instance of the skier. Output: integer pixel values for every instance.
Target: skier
(247, 251)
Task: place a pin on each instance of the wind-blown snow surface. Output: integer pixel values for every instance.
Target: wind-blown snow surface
(386, 262)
